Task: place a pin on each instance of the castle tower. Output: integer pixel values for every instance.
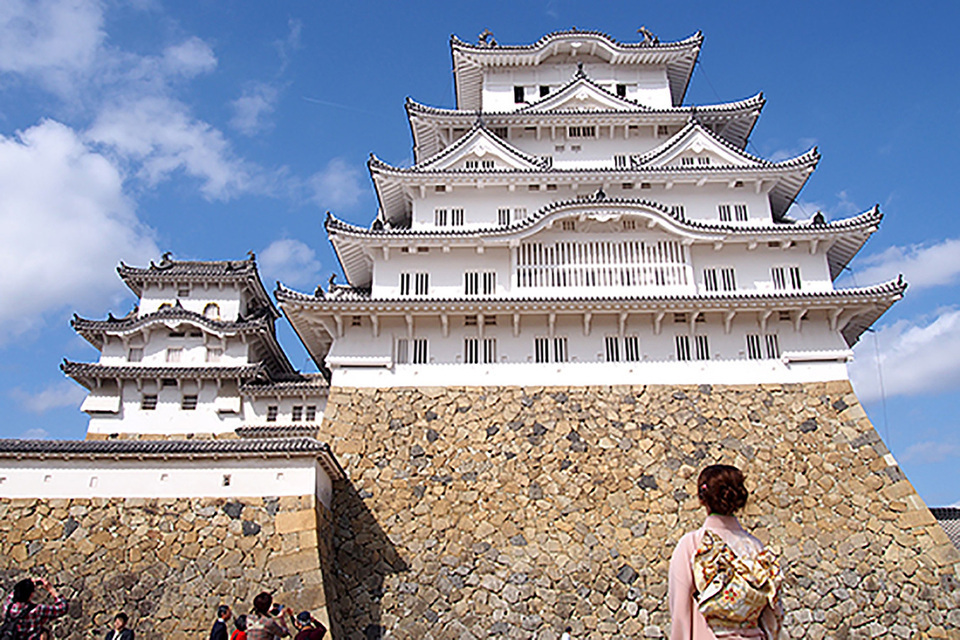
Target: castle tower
(580, 292)
(198, 354)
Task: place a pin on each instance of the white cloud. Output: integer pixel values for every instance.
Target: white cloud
(161, 137)
(190, 58)
(54, 40)
(922, 265)
(291, 262)
(290, 43)
(35, 434)
(916, 357)
(55, 396)
(65, 224)
(336, 186)
(249, 110)
(803, 145)
(930, 452)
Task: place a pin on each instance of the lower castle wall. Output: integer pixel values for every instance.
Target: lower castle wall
(167, 562)
(474, 511)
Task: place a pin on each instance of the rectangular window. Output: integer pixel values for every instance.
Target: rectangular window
(663, 130)
(582, 132)
(311, 412)
(489, 321)
(470, 321)
(188, 403)
(489, 283)
(740, 212)
(719, 279)
(728, 280)
(724, 210)
(471, 350)
(135, 354)
(620, 162)
(519, 213)
(544, 91)
(679, 317)
(214, 354)
(687, 161)
(560, 349)
(297, 414)
(703, 160)
(541, 349)
(678, 210)
(272, 411)
(403, 351)
(753, 347)
(612, 348)
(487, 164)
(173, 354)
(568, 225)
(356, 321)
(472, 164)
(503, 217)
(683, 347)
(629, 225)
(456, 217)
(631, 348)
(518, 96)
(785, 278)
(148, 401)
(420, 282)
(420, 351)
(500, 132)
(183, 291)
(702, 347)
(440, 217)
(710, 280)
(489, 350)
(622, 90)
(783, 316)
(471, 283)
(773, 345)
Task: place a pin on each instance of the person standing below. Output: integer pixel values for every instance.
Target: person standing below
(28, 617)
(723, 583)
(219, 630)
(310, 628)
(240, 633)
(261, 625)
(120, 630)
(566, 633)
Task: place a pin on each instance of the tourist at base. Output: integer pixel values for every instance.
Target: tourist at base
(310, 628)
(240, 633)
(261, 625)
(219, 630)
(120, 630)
(723, 583)
(29, 619)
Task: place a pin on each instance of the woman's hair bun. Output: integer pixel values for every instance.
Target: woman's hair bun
(721, 488)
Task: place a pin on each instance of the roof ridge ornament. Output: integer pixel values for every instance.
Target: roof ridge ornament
(580, 72)
(648, 36)
(486, 39)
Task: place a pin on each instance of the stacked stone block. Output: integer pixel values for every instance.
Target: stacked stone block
(167, 562)
(514, 512)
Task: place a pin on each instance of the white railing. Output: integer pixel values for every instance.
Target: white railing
(602, 264)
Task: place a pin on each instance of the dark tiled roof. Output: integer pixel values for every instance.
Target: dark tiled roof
(260, 447)
(92, 370)
(280, 431)
(866, 219)
(894, 287)
(111, 324)
(695, 39)
(306, 383)
(949, 519)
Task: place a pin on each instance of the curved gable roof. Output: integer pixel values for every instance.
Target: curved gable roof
(583, 90)
(479, 142)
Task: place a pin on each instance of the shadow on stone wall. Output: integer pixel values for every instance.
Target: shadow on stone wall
(365, 556)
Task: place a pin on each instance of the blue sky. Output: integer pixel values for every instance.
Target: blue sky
(211, 128)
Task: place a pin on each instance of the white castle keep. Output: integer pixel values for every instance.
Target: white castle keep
(571, 222)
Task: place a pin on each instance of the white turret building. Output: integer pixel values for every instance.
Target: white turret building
(198, 354)
(571, 217)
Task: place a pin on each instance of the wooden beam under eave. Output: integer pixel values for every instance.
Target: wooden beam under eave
(587, 316)
(728, 317)
(658, 322)
(763, 317)
(798, 319)
(516, 324)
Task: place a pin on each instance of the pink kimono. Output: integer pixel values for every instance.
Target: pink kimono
(723, 584)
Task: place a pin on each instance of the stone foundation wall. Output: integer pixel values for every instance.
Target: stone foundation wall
(167, 562)
(518, 511)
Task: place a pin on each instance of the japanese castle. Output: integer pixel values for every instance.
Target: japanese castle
(571, 221)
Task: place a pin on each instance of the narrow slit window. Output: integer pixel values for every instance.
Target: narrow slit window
(687, 161)
(272, 412)
(422, 284)
(631, 348)
(489, 350)
(503, 217)
(405, 284)
(456, 216)
(189, 402)
(773, 346)
(403, 351)
(740, 212)
(471, 350)
(440, 217)
(311, 414)
(148, 401)
(296, 414)
(489, 283)
(471, 283)
(420, 351)
(702, 345)
(753, 347)
(541, 350)
(612, 348)
(560, 349)
(724, 211)
(487, 164)
(620, 162)
(621, 90)
(518, 96)
(683, 347)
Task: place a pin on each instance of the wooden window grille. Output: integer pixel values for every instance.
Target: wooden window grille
(724, 211)
(148, 401)
(503, 217)
(489, 283)
(703, 160)
(663, 130)
(487, 164)
(174, 354)
(311, 414)
(214, 354)
(702, 344)
(786, 278)
(740, 212)
(631, 348)
(621, 162)
(188, 402)
(296, 415)
(687, 161)
(471, 283)
(582, 131)
(679, 211)
(135, 354)
(612, 348)
(683, 347)
(272, 411)
(753, 347)
(772, 344)
(489, 350)
(403, 351)
(440, 217)
(471, 350)
(472, 164)
(420, 351)
(456, 217)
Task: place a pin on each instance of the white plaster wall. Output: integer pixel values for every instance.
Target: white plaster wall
(228, 297)
(116, 350)
(814, 335)
(255, 410)
(480, 206)
(753, 268)
(151, 478)
(647, 84)
(168, 417)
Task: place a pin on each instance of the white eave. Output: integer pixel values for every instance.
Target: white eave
(470, 60)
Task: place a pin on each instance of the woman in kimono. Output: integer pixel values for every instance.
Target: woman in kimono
(723, 583)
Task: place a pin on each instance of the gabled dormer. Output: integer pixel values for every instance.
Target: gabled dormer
(582, 94)
(696, 146)
(481, 150)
